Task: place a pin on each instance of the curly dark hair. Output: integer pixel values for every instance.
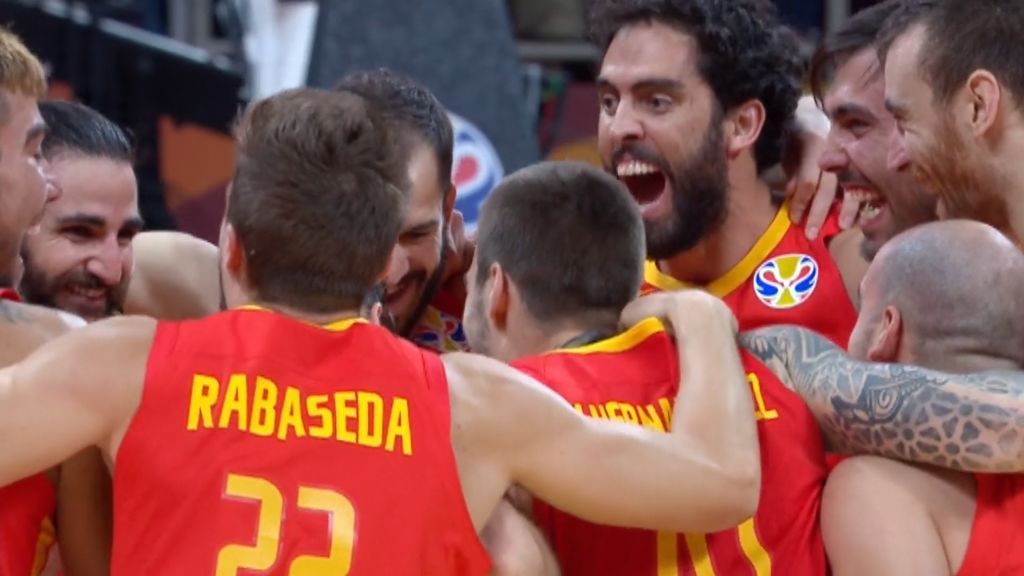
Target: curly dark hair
(746, 53)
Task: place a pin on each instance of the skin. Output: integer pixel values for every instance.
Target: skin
(512, 431)
(963, 149)
(651, 92)
(24, 177)
(81, 259)
(856, 152)
(926, 514)
(417, 264)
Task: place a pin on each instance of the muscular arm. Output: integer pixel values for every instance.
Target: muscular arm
(78, 390)
(176, 277)
(509, 429)
(969, 422)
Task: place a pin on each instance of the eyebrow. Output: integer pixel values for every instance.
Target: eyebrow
(851, 110)
(134, 223)
(647, 84)
(38, 129)
(424, 227)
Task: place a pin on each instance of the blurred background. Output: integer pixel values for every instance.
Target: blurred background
(516, 75)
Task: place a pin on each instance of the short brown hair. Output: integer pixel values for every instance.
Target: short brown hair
(20, 71)
(968, 35)
(858, 33)
(317, 198)
(568, 235)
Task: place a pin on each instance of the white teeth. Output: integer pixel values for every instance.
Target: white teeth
(92, 294)
(869, 212)
(635, 168)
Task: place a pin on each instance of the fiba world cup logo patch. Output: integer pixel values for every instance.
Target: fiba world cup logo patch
(786, 281)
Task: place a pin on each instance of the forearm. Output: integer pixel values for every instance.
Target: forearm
(713, 406)
(965, 422)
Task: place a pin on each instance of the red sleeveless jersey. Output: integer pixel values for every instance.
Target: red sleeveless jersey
(996, 547)
(634, 378)
(26, 510)
(265, 445)
(784, 279)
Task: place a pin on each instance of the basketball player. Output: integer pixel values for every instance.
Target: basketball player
(330, 439)
(847, 79)
(523, 305)
(26, 185)
(957, 93)
(696, 99)
(885, 517)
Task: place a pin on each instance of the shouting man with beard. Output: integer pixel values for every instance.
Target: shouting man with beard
(697, 99)
(80, 261)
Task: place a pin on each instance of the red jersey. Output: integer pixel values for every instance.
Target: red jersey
(26, 512)
(634, 378)
(996, 547)
(784, 279)
(263, 444)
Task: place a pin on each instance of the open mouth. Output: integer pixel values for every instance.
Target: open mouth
(645, 181)
(871, 203)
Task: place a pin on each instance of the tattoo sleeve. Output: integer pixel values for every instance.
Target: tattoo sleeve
(967, 422)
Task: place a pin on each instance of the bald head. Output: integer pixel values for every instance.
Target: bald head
(959, 288)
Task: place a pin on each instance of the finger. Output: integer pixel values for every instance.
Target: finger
(822, 204)
(848, 213)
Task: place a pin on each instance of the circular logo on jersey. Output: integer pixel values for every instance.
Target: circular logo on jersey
(476, 168)
(786, 281)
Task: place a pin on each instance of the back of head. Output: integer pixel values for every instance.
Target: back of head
(858, 33)
(959, 285)
(317, 198)
(20, 71)
(568, 235)
(746, 53)
(411, 107)
(79, 130)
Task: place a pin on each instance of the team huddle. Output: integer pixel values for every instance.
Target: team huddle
(809, 383)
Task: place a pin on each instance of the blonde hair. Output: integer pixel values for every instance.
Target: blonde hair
(20, 71)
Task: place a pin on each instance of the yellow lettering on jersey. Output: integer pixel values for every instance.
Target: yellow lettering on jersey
(264, 417)
(612, 409)
(649, 418)
(579, 408)
(258, 406)
(343, 410)
(205, 390)
(761, 411)
(291, 415)
(371, 419)
(315, 407)
(236, 403)
(628, 413)
(666, 411)
(399, 427)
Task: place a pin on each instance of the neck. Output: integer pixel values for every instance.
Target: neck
(310, 317)
(548, 339)
(1014, 180)
(749, 213)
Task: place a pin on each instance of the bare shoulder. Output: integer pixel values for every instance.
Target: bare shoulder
(175, 276)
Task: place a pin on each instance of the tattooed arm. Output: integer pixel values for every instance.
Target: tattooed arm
(968, 422)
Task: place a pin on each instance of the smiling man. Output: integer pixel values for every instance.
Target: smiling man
(956, 88)
(80, 261)
(848, 82)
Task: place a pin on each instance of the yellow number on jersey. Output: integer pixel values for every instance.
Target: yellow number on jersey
(700, 556)
(263, 555)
